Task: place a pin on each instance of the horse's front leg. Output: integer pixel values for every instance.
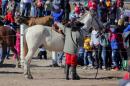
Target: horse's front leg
(17, 57)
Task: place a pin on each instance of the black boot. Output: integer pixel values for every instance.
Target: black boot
(67, 71)
(75, 76)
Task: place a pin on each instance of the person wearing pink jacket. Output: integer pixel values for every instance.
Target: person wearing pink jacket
(17, 45)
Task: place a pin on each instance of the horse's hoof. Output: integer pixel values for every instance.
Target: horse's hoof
(28, 76)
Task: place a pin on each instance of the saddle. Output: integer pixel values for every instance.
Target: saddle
(57, 29)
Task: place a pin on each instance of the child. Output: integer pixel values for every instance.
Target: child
(17, 45)
(96, 48)
(114, 42)
(42, 53)
(104, 43)
(88, 60)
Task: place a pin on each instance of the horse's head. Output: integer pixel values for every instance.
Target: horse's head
(91, 21)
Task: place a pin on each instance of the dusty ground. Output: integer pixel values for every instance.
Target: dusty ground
(48, 76)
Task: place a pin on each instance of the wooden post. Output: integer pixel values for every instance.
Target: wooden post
(22, 29)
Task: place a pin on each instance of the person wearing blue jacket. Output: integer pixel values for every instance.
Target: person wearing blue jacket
(126, 34)
(114, 42)
(127, 28)
(57, 14)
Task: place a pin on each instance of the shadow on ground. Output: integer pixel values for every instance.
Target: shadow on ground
(100, 78)
(7, 65)
(7, 72)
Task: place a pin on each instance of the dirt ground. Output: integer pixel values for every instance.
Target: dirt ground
(50, 76)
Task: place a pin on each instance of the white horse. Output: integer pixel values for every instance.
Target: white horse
(52, 41)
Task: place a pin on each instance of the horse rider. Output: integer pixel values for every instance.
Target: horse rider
(9, 19)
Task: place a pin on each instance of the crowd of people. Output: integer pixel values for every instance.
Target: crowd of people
(105, 51)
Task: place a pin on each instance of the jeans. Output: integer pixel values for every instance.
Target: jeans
(8, 53)
(80, 58)
(47, 13)
(26, 9)
(60, 56)
(88, 58)
(97, 56)
(104, 57)
(40, 11)
(4, 7)
(33, 11)
(16, 6)
(115, 58)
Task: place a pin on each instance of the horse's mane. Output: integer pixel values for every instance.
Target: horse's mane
(37, 17)
(27, 18)
(32, 20)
